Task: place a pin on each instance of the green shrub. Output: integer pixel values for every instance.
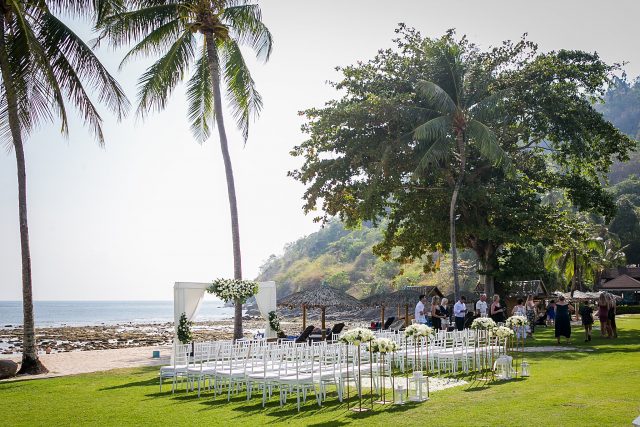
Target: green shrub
(628, 309)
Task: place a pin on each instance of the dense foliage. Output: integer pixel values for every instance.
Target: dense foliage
(361, 155)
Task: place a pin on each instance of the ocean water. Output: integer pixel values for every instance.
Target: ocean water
(81, 313)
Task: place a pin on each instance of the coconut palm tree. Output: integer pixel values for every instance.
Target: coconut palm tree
(205, 34)
(457, 125)
(44, 67)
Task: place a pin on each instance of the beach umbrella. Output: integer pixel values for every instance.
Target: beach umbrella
(321, 296)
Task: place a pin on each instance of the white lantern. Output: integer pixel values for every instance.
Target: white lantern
(525, 369)
(502, 367)
(418, 381)
(399, 394)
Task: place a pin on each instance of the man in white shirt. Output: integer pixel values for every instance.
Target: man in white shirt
(459, 311)
(419, 314)
(481, 306)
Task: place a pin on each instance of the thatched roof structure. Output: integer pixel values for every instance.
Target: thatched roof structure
(319, 297)
(579, 296)
(524, 288)
(401, 297)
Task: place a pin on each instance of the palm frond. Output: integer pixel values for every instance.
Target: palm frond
(97, 10)
(200, 99)
(439, 151)
(39, 63)
(434, 129)
(488, 145)
(436, 97)
(246, 27)
(156, 42)
(132, 26)
(489, 107)
(157, 83)
(73, 61)
(245, 100)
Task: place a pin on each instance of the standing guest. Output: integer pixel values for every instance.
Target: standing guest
(497, 310)
(481, 306)
(530, 306)
(612, 315)
(586, 312)
(459, 311)
(419, 314)
(444, 309)
(563, 319)
(603, 315)
(551, 313)
(436, 313)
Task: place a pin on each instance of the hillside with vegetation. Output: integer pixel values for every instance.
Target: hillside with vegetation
(344, 259)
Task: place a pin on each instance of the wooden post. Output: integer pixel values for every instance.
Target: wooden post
(324, 334)
(304, 317)
(382, 318)
(406, 315)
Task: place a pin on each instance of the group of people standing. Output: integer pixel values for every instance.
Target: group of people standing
(558, 313)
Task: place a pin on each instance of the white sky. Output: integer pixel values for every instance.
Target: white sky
(126, 221)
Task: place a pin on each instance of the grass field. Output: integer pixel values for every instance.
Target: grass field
(577, 388)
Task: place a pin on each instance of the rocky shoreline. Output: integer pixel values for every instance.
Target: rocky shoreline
(103, 337)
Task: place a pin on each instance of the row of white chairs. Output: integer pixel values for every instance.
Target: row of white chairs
(258, 366)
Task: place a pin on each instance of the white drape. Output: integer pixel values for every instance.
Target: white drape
(266, 300)
(187, 297)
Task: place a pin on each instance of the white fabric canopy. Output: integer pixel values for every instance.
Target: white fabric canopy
(187, 297)
(266, 300)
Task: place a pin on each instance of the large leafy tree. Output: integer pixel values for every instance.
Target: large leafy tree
(207, 36)
(458, 123)
(46, 68)
(361, 156)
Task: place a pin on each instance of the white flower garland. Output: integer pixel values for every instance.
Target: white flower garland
(418, 330)
(357, 336)
(483, 323)
(516, 321)
(383, 345)
(233, 289)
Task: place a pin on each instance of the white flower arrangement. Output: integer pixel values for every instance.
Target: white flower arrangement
(418, 330)
(233, 289)
(357, 336)
(483, 323)
(502, 332)
(383, 345)
(516, 321)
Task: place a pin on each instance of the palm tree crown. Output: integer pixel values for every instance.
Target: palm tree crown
(168, 29)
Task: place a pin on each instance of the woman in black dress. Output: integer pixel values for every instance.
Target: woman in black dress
(436, 313)
(497, 310)
(563, 320)
(586, 312)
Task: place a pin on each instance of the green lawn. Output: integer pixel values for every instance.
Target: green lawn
(579, 388)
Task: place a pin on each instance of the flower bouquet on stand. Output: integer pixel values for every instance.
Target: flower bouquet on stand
(483, 327)
(518, 324)
(384, 346)
(356, 337)
(502, 365)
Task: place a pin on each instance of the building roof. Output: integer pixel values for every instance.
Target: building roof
(612, 273)
(621, 282)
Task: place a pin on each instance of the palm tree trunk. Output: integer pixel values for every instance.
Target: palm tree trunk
(30, 362)
(214, 67)
(452, 216)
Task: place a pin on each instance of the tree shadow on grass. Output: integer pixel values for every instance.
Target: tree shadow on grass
(309, 409)
(142, 383)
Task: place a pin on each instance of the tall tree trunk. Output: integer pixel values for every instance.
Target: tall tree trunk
(214, 67)
(30, 362)
(452, 215)
(575, 273)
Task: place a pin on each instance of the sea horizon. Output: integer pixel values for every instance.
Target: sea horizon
(56, 313)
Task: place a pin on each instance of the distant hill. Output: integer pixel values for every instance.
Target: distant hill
(344, 259)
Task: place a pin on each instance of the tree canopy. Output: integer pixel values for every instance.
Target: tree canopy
(361, 152)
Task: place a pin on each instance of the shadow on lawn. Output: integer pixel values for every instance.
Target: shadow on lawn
(290, 412)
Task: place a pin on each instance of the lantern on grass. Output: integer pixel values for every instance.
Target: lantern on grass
(502, 367)
(524, 369)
